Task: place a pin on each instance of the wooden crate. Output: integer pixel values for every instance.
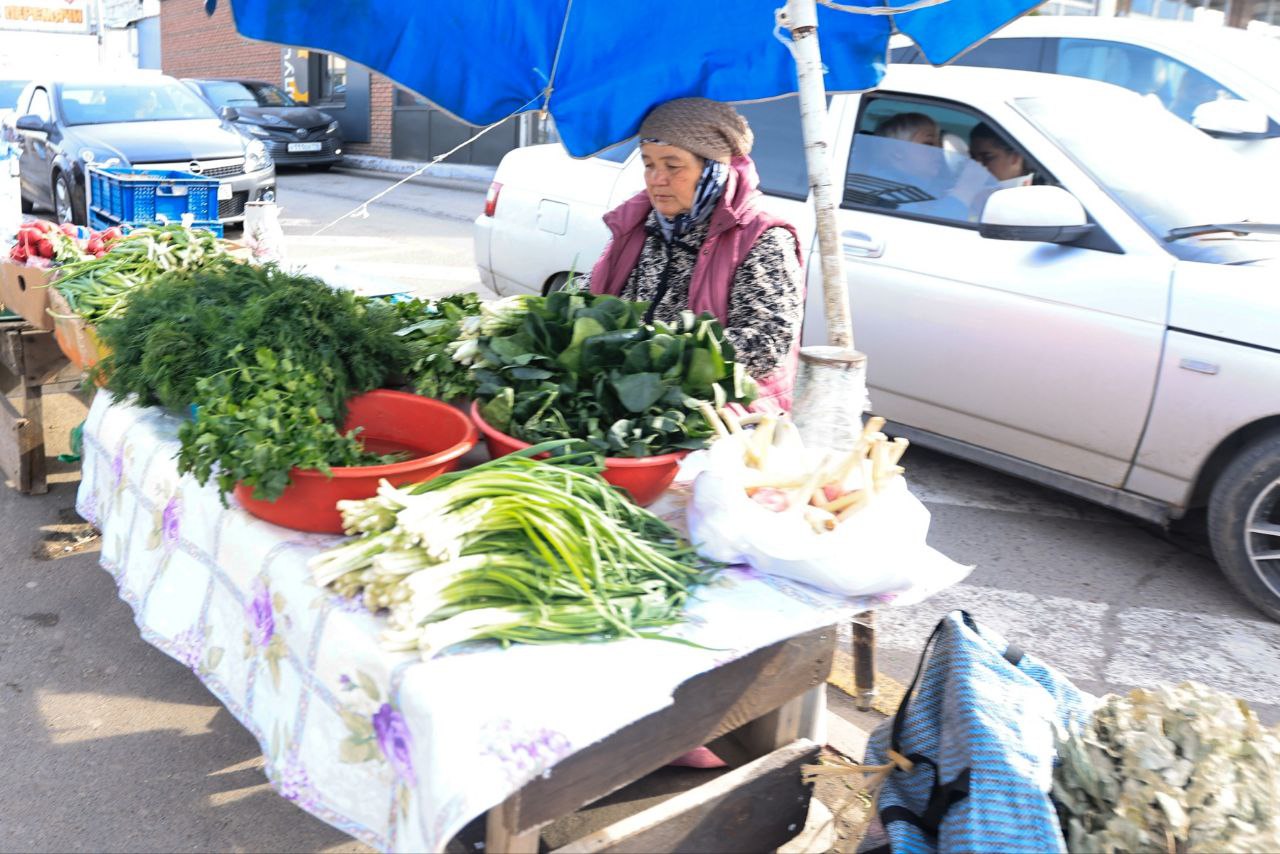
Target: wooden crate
(77, 339)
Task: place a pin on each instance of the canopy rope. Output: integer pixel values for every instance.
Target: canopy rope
(555, 62)
(361, 211)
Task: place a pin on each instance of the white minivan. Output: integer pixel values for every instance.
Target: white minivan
(1108, 323)
(1222, 79)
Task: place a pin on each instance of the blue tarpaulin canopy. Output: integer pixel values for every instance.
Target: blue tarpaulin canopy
(598, 66)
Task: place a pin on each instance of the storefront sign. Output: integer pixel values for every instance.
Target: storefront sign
(64, 16)
(294, 64)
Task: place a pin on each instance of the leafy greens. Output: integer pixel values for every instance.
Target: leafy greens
(587, 367)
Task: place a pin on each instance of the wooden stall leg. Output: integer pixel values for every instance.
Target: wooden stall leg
(500, 838)
(803, 717)
(864, 659)
(31, 467)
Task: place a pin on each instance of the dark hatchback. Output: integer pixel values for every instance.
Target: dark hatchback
(294, 134)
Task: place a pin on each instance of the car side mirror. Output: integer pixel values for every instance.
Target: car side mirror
(1229, 117)
(33, 125)
(229, 113)
(1044, 214)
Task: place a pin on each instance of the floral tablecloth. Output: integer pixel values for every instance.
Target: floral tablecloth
(397, 752)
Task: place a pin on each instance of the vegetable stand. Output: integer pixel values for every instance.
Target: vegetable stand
(402, 753)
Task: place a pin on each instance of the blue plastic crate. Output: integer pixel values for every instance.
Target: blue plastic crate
(120, 195)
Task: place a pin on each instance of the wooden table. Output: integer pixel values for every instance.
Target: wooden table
(30, 365)
(763, 712)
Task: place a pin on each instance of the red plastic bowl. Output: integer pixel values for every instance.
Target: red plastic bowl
(644, 478)
(435, 433)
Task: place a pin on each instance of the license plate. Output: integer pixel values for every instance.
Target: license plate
(304, 146)
(224, 192)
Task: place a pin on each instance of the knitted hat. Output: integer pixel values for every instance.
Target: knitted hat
(707, 128)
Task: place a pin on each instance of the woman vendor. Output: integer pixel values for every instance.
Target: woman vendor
(697, 239)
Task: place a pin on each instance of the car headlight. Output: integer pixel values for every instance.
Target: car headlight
(332, 128)
(89, 156)
(255, 156)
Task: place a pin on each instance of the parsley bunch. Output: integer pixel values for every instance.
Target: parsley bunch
(267, 359)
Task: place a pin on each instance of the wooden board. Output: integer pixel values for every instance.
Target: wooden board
(705, 707)
(14, 430)
(756, 807)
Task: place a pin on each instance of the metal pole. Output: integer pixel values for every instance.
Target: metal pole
(802, 20)
(101, 41)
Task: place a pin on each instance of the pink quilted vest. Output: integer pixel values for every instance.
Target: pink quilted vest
(736, 223)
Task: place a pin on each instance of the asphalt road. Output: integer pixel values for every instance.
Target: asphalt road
(110, 745)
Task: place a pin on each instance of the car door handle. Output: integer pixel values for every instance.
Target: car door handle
(859, 244)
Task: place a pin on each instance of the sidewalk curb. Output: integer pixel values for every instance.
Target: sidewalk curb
(440, 174)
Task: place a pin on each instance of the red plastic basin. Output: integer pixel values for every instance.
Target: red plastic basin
(436, 434)
(644, 478)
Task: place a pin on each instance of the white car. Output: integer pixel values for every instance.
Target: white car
(1112, 330)
(1222, 79)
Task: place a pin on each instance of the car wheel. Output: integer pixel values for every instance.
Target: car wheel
(64, 201)
(1244, 523)
(27, 205)
(555, 283)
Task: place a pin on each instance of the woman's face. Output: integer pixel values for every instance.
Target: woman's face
(1002, 163)
(670, 177)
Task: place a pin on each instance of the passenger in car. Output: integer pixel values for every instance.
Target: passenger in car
(697, 239)
(1003, 161)
(912, 157)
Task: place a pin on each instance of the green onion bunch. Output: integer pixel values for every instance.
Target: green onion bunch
(518, 550)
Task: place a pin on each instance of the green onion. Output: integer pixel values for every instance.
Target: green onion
(518, 550)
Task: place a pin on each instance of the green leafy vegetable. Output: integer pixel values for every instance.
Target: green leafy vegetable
(433, 328)
(263, 418)
(185, 325)
(580, 366)
(268, 360)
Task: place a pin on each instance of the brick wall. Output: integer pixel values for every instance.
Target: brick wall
(382, 93)
(192, 44)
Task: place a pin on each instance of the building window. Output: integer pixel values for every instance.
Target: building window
(331, 79)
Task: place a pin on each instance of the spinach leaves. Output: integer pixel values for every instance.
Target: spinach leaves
(587, 367)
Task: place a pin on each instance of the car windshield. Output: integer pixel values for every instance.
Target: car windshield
(271, 96)
(92, 104)
(1256, 54)
(1168, 174)
(232, 93)
(9, 92)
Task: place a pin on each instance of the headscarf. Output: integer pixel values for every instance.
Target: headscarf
(708, 191)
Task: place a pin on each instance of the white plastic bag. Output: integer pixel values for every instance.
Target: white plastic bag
(878, 550)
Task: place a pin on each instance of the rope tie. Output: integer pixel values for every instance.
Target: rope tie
(876, 775)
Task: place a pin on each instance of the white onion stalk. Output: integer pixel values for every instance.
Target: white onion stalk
(437, 637)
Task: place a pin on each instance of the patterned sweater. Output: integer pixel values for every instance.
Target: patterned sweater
(765, 305)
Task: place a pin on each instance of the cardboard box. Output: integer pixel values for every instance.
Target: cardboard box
(25, 291)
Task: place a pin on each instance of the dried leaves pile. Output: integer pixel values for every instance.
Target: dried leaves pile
(1183, 768)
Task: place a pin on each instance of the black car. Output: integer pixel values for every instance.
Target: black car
(294, 134)
(144, 121)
